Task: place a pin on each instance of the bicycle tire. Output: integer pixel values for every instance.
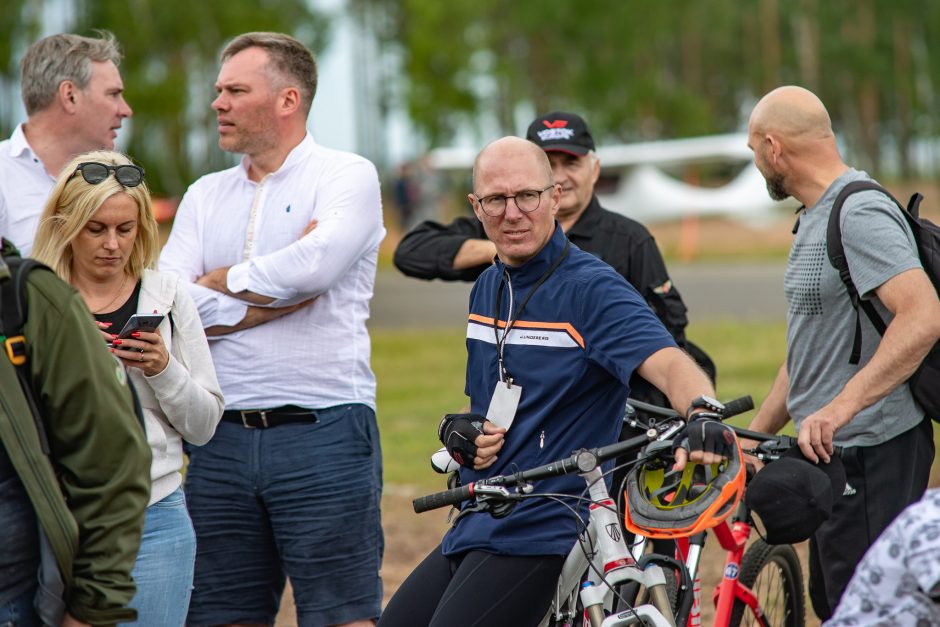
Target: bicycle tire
(773, 572)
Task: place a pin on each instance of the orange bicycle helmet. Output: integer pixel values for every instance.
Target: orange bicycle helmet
(664, 503)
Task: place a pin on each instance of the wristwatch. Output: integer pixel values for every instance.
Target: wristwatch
(707, 403)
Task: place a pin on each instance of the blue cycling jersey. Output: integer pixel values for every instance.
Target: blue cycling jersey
(580, 337)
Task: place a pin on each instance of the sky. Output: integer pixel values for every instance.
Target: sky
(329, 116)
(345, 113)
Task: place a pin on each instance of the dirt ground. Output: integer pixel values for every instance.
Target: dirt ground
(409, 537)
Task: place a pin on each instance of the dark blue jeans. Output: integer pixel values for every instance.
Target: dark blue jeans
(296, 500)
(19, 612)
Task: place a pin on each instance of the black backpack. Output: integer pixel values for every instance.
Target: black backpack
(925, 382)
(13, 312)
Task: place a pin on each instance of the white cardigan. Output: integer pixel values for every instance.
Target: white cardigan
(184, 401)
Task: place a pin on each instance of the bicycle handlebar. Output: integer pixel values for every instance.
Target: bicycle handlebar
(579, 461)
(738, 406)
(732, 408)
(443, 499)
(771, 447)
(582, 460)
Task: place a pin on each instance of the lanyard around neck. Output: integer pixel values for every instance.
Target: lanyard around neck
(511, 319)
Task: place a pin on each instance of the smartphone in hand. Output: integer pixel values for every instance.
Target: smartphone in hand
(139, 322)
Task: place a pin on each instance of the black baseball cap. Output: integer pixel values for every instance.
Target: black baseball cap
(563, 132)
(794, 496)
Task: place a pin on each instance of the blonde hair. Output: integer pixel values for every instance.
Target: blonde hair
(72, 204)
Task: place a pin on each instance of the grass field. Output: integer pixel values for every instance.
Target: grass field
(420, 377)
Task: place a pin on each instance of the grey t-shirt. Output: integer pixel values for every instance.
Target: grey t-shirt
(820, 318)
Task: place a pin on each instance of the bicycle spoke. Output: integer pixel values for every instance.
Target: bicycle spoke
(772, 596)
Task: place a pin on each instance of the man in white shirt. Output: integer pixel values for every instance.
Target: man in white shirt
(74, 100)
(281, 254)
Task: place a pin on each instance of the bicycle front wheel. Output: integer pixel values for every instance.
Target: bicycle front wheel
(773, 573)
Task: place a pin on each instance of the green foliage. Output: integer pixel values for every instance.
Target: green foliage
(20, 21)
(171, 61)
(646, 70)
(635, 69)
(171, 51)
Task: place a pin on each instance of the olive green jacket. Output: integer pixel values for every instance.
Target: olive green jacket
(91, 491)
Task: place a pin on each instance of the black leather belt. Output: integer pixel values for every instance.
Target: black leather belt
(266, 418)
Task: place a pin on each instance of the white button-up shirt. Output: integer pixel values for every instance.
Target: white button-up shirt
(319, 355)
(24, 188)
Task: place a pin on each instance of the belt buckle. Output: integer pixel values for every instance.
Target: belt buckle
(262, 412)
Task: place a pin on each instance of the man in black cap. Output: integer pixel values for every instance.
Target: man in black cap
(460, 250)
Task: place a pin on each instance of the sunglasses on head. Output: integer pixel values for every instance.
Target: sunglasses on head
(127, 175)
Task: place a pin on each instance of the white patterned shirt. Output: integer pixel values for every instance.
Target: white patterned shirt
(319, 355)
(24, 187)
(893, 583)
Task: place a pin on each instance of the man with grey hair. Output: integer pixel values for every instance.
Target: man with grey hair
(290, 485)
(74, 100)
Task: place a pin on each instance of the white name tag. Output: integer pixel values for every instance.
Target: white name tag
(503, 404)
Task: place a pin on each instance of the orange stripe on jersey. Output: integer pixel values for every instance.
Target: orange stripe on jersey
(525, 324)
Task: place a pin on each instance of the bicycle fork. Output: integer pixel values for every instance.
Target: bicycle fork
(612, 558)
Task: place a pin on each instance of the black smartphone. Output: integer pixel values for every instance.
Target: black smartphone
(140, 322)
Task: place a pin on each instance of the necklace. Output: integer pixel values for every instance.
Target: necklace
(111, 302)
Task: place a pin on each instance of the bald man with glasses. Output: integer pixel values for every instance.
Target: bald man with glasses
(553, 335)
(461, 251)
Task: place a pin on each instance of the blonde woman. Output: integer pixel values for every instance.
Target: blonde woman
(98, 232)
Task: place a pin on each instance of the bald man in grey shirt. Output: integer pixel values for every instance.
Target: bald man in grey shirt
(865, 408)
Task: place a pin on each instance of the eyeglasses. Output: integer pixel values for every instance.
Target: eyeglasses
(127, 175)
(528, 200)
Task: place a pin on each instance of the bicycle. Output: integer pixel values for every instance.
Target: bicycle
(763, 584)
(600, 548)
(600, 563)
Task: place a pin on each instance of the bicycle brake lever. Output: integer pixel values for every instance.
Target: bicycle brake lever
(772, 450)
(484, 491)
(658, 449)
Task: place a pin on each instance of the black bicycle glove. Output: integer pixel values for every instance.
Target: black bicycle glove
(457, 432)
(706, 433)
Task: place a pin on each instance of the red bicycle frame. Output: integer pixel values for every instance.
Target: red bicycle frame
(733, 538)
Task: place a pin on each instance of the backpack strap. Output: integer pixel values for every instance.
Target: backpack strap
(13, 316)
(836, 252)
(13, 311)
(913, 206)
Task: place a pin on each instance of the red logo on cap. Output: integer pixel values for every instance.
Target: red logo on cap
(555, 123)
